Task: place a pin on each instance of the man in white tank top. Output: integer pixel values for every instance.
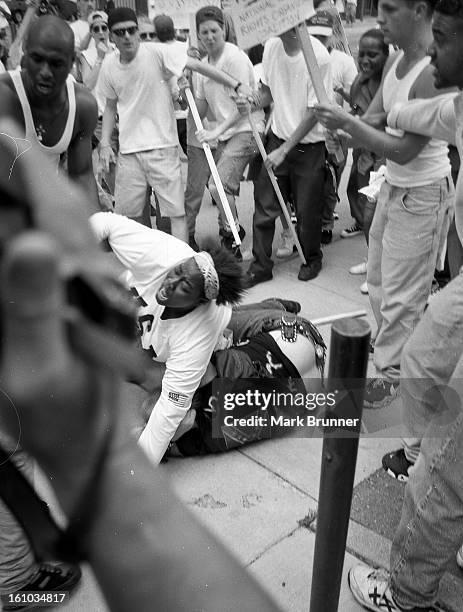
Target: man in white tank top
(57, 116)
(415, 201)
(53, 112)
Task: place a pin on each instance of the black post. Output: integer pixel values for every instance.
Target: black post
(348, 366)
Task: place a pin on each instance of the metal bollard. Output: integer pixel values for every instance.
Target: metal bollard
(348, 362)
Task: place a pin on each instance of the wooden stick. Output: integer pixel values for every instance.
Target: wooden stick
(213, 167)
(315, 74)
(347, 315)
(276, 188)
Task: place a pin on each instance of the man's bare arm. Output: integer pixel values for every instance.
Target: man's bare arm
(80, 167)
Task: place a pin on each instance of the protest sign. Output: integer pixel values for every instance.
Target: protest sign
(180, 10)
(257, 20)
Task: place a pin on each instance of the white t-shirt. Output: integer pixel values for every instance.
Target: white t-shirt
(184, 344)
(291, 87)
(237, 64)
(143, 94)
(343, 69)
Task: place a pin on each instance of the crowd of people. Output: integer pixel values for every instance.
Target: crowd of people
(102, 98)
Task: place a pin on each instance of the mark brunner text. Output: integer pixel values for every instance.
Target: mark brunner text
(281, 421)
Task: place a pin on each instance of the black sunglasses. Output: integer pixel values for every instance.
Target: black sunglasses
(98, 29)
(146, 35)
(122, 31)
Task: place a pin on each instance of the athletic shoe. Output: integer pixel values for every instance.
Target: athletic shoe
(229, 243)
(460, 557)
(48, 577)
(251, 278)
(286, 247)
(397, 465)
(379, 392)
(364, 288)
(326, 237)
(360, 268)
(309, 271)
(335, 216)
(370, 587)
(351, 231)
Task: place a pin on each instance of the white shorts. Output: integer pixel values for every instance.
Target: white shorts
(158, 168)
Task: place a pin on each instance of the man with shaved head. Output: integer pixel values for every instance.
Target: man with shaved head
(56, 115)
(52, 111)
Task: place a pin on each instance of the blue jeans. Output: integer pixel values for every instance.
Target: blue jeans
(428, 361)
(405, 237)
(431, 526)
(197, 178)
(17, 560)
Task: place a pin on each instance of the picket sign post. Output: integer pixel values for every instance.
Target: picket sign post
(356, 314)
(213, 167)
(276, 188)
(206, 148)
(315, 74)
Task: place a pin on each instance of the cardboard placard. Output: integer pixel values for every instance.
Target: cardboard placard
(257, 20)
(180, 10)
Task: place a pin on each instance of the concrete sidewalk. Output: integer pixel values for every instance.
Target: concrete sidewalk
(261, 501)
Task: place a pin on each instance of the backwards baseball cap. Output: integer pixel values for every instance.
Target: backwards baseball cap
(97, 16)
(120, 14)
(320, 24)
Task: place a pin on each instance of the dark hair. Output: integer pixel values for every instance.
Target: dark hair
(453, 8)
(164, 27)
(379, 36)
(210, 13)
(430, 3)
(230, 273)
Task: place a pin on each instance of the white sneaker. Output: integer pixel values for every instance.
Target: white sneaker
(460, 557)
(360, 268)
(370, 587)
(349, 232)
(364, 288)
(286, 246)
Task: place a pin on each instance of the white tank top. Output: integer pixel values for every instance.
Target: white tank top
(432, 163)
(62, 145)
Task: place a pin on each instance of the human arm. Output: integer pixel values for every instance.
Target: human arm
(277, 157)
(14, 53)
(80, 167)
(434, 117)
(218, 75)
(185, 366)
(400, 150)
(144, 554)
(89, 73)
(109, 121)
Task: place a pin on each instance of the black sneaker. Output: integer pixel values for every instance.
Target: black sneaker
(379, 393)
(252, 278)
(48, 577)
(309, 271)
(397, 465)
(327, 236)
(229, 242)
